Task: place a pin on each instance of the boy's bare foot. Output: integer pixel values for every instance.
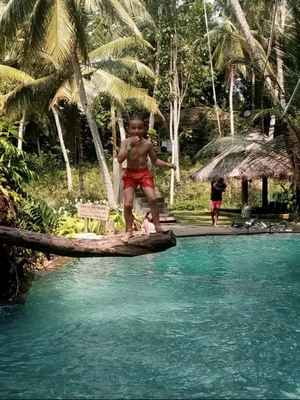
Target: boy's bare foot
(127, 236)
(159, 229)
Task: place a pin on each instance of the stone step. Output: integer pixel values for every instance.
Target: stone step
(145, 201)
(142, 207)
(195, 217)
(167, 220)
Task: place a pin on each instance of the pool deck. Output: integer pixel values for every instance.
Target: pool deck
(182, 230)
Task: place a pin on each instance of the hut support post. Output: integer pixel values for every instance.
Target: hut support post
(245, 191)
(264, 193)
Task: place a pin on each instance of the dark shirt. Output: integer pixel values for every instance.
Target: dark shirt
(217, 191)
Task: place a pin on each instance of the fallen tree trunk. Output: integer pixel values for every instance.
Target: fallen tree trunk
(111, 246)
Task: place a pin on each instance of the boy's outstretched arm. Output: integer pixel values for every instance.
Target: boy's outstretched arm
(156, 161)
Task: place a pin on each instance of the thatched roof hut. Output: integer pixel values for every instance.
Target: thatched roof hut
(250, 159)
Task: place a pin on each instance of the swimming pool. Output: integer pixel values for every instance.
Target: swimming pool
(215, 317)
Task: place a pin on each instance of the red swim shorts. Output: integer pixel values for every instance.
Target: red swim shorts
(216, 204)
(138, 177)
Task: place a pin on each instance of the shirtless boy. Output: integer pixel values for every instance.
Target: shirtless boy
(136, 149)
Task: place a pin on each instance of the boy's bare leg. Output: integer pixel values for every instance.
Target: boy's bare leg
(151, 197)
(128, 205)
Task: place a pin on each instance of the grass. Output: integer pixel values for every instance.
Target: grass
(52, 186)
(191, 198)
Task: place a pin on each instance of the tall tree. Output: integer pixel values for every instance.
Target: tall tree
(259, 59)
(25, 79)
(59, 31)
(212, 69)
(228, 55)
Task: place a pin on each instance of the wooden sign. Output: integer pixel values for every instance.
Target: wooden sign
(94, 211)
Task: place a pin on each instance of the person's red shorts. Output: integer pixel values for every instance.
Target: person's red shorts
(215, 204)
(138, 177)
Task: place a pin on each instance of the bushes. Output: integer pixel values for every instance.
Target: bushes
(14, 168)
(69, 225)
(36, 216)
(52, 186)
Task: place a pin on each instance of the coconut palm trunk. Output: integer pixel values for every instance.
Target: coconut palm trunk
(172, 119)
(21, 131)
(172, 179)
(95, 134)
(280, 27)
(175, 109)
(253, 90)
(293, 133)
(293, 141)
(122, 132)
(80, 164)
(212, 70)
(121, 125)
(116, 165)
(231, 88)
(63, 148)
(157, 72)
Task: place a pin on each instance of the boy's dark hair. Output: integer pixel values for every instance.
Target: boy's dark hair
(136, 116)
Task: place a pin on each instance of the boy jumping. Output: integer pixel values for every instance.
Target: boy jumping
(136, 149)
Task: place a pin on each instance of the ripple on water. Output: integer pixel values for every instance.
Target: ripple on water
(211, 318)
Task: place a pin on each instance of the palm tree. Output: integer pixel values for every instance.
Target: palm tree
(25, 79)
(216, 107)
(259, 59)
(58, 30)
(228, 55)
(110, 64)
(98, 79)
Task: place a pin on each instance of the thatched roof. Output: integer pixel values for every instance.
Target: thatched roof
(252, 159)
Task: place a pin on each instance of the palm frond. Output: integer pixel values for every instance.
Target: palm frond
(103, 82)
(31, 95)
(117, 10)
(137, 9)
(37, 27)
(125, 67)
(266, 112)
(78, 19)
(10, 73)
(67, 92)
(116, 48)
(60, 36)
(137, 66)
(14, 15)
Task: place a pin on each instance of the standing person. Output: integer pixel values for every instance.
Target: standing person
(136, 150)
(218, 187)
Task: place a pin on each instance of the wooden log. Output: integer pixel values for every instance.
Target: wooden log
(111, 246)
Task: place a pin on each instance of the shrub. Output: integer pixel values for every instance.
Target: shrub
(37, 216)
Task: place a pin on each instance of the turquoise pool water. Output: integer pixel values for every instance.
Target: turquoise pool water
(212, 318)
